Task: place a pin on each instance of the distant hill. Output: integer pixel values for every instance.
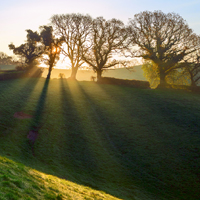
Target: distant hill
(7, 67)
(122, 73)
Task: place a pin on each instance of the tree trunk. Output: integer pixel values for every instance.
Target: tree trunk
(99, 73)
(74, 72)
(163, 83)
(193, 84)
(49, 73)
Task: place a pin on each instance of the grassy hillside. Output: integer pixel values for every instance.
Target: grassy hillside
(20, 182)
(129, 143)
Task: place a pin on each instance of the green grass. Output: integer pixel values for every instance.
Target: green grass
(20, 182)
(129, 143)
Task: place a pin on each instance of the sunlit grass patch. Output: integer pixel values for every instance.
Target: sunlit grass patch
(28, 183)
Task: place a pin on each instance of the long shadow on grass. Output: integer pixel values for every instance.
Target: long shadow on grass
(181, 112)
(37, 117)
(21, 95)
(166, 140)
(180, 117)
(131, 137)
(36, 124)
(110, 173)
(76, 152)
(118, 144)
(111, 118)
(15, 101)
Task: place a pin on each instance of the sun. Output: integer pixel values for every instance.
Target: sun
(56, 50)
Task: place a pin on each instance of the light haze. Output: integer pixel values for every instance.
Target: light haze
(19, 15)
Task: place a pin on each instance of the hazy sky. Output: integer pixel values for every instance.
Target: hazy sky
(18, 15)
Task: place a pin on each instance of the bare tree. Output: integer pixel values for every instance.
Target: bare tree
(162, 38)
(74, 30)
(192, 68)
(107, 40)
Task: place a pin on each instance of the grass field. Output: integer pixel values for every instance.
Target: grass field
(20, 182)
(126, 143)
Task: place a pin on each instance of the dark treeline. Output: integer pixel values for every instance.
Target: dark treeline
(7, 60)
(168, 46)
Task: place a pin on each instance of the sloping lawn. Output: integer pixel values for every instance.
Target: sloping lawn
(129, 143)
(20, 182)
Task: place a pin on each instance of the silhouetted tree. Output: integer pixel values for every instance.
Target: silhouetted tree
(30, 50)
(74, 30)
(107, 39)
(51, 47)
(192, 68)
(162, 38)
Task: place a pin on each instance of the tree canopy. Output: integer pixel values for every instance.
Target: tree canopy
(107, 38)
(51, 46)
(30, 50)
(165, 39)
(74, 30)
(191, 67)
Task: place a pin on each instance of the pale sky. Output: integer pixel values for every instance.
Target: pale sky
(18, 15)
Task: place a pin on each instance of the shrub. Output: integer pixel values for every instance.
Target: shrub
(125, 82)
(20, 67)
